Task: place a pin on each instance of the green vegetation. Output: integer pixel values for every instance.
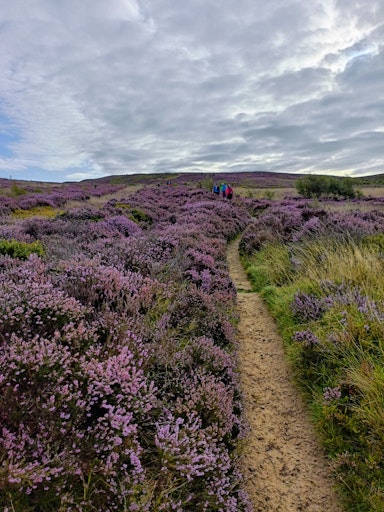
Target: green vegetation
(317, 186)
(375, 242)
(327, 297)
(206, 183)
(139, 216)
(17, 191)
(374, 180)
(36, 211)
(21, 250)
(269, 194)
(117, 180)
(134, 214)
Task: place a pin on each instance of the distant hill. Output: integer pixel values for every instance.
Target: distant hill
(248, 179)
(375, 180)
(245, 179)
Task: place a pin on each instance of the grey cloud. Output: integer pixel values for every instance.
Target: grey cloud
(362, 12)
(199, 85)
(296, 84)
(364, 74)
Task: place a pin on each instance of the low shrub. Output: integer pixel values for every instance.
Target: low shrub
(21, 250)
(118, 385)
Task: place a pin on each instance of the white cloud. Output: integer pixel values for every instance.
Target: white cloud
(94, 88)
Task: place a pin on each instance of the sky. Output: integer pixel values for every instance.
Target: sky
(91, 88)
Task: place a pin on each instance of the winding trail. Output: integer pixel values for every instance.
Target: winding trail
(284, 465)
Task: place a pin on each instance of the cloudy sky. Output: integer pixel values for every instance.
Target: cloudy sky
(90, 88)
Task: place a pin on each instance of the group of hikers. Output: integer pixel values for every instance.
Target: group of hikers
(224, 189)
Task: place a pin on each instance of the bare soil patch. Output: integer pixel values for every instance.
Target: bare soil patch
(284, 465)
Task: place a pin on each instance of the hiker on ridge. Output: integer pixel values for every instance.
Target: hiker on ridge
(229, 192)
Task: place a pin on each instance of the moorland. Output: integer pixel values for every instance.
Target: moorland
(119, 383)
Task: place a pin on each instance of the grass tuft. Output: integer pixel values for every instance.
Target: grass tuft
(327, 297)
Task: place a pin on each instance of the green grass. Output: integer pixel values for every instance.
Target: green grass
(349, 357)
(269, 266)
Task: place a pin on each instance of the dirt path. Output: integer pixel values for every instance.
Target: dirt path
(284, 466)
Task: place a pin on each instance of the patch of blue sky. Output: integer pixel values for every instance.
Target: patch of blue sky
(9, 134)
(32, 173)
(38, 174)
(361, 51)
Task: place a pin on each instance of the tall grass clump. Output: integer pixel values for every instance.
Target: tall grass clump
(269, 266)
(324, 286)
(340, 260)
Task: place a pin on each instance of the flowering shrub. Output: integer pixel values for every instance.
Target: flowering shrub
(118, 384)
(54, 195)
(297, 221)
(30, 305)
(194, 452)
(60, 380)
(306, 307)
(306, 337)
(331, 394)
(119, 224)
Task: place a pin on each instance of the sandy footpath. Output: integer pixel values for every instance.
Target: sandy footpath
(284, 465)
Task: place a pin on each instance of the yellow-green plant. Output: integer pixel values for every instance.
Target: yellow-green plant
(269, 194)
(36, 211)
(21, 250)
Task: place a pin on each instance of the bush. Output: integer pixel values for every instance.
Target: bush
(118, 386)
(342, 187)
(21, 250)
(317, 186)
(17, 191)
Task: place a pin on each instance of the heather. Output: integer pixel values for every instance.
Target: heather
(320, 270)
(26, 199)
(118, 381)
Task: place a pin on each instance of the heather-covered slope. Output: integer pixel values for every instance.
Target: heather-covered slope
(119, 386)
(118, 381)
